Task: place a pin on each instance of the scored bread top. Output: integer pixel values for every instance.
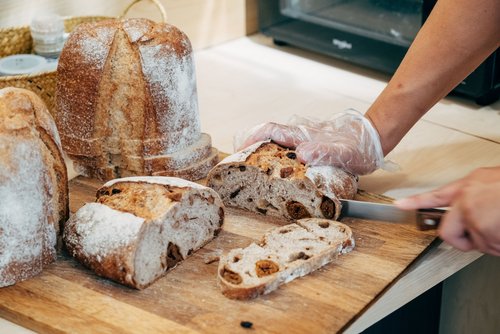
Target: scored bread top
(142, 69)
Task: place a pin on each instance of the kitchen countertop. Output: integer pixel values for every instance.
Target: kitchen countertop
(249, 80)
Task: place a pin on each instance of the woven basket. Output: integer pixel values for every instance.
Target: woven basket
(18, 41)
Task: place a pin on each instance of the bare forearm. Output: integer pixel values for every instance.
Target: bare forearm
(456, 38)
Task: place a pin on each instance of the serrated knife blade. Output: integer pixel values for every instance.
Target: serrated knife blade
(424, 219)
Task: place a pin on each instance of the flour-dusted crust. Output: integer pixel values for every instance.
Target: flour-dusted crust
(141, 227)
(284, 253)
(268, 179)
(127, 101)
(33, 186)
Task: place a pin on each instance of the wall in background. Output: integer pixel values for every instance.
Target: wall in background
(206, 22)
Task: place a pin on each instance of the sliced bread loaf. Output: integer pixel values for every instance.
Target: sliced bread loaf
(140, 227)
(284, 254)
(126, 101)
(268, 179)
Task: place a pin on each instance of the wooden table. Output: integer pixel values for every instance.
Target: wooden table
(250, 81)
(188, 299)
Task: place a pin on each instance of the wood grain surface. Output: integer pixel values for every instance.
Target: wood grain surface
(68, 298)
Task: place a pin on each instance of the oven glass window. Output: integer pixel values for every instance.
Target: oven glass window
(394, 21)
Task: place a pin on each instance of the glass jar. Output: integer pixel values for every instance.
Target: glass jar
(47, 32)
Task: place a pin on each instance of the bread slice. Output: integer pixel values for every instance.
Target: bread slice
(192, 163)
(140, 227)
(285, 253)
(178, 160)
(196, 171)
(268, 179)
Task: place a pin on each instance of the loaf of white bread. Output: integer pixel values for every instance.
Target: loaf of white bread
(140, 227)
(268, 179)
(33, 186)
(126, 102)
(283, 254)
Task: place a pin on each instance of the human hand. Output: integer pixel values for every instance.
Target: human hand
(473, 220)
(348, 141)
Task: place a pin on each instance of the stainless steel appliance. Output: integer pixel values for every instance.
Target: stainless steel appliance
(371, 33)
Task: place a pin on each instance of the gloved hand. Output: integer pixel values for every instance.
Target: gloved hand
(348, 141)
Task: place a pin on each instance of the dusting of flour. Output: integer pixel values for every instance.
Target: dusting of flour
(103, 230)
(329, 179)
(22, 208)
(137, 29)
(94, 48)
(172, 82)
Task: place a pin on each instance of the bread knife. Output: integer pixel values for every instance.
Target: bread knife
(424, 219)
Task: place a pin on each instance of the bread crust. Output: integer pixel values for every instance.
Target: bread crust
(126, 100)
(268, 179)
(33, 186)
(141, 227)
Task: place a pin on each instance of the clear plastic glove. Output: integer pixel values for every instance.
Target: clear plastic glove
(348, 141)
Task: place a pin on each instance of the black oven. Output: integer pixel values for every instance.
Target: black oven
(371, 33)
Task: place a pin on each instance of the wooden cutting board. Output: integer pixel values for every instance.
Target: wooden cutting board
(68, 298)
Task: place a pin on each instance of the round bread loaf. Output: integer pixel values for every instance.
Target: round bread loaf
(33, 186)
(126, 101)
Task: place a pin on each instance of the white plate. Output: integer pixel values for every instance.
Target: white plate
(22, 64)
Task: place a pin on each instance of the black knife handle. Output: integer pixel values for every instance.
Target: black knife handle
(429, 219)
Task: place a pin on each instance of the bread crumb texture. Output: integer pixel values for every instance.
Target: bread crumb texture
(283, 254)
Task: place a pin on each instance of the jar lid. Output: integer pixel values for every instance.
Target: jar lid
(22, 64)
(47, 24)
